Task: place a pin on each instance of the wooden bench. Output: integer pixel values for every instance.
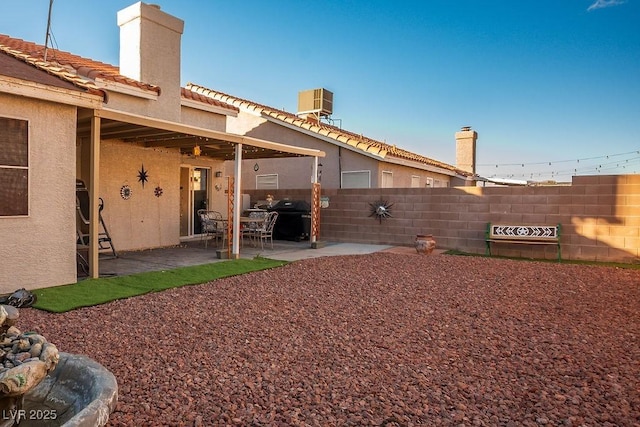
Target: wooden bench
(523, 234)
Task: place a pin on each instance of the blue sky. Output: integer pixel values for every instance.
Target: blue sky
(545, 81)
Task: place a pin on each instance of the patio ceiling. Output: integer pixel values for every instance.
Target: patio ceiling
(149, 132)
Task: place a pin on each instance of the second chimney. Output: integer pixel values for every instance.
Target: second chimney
(466, 149)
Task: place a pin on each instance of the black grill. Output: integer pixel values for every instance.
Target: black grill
(294, 220)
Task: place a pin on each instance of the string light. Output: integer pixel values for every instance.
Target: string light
(560, 161)
(629, 165)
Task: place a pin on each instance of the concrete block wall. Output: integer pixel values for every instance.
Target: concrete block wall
(599, 216)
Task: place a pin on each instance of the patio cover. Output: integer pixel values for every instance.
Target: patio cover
(104, 123)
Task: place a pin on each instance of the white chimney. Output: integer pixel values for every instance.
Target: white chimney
(150, 51)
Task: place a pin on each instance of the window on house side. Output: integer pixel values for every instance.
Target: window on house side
(387, 179)
(355, 179)
(429, 182)
(267, 182)
(415, 181)
(14, 167)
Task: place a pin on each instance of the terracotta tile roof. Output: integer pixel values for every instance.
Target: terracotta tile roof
(83, 72)
(189, 94)
(75, 69)
(357, 141)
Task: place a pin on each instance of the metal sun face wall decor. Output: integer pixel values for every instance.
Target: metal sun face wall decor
(381, 209)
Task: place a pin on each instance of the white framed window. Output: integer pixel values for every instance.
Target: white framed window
(415, 181)
(437, 183)
(355, 179)
(387, 179)
(267, 182)
(14, 167)
(429, 183)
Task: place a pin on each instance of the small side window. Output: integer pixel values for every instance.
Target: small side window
(267, 182)
(14, 167)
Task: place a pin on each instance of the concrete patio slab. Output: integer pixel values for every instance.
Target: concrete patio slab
(195, 253)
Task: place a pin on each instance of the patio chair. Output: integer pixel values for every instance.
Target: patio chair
(211, 225)
(249, 228)
(265, 231)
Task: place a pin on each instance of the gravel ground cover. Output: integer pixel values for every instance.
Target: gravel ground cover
(378, 339)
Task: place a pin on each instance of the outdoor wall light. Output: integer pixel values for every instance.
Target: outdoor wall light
(196, 150)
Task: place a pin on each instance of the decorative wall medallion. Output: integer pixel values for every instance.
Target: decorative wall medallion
(381, 209)
(158, 191)
(143, 176)
(125, 192)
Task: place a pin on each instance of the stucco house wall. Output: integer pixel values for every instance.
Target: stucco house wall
(402, 176)
(143, 220)
(203, 119)
(46, 237)
(147, 220)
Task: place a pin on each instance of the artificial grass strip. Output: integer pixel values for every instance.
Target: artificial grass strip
(90, 292)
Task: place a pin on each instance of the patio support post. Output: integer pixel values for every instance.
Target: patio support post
(94, 187)
(235, 251)
(315, 204)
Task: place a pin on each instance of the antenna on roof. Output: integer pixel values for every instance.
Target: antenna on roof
(46, 39)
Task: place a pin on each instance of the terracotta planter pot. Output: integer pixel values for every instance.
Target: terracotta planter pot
(425, 244)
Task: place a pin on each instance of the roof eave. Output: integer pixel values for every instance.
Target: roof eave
(77, 98)
(190, 103)
(419, 165)
(112, 86)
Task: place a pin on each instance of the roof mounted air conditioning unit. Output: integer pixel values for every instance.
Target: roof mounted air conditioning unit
(316, 101)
